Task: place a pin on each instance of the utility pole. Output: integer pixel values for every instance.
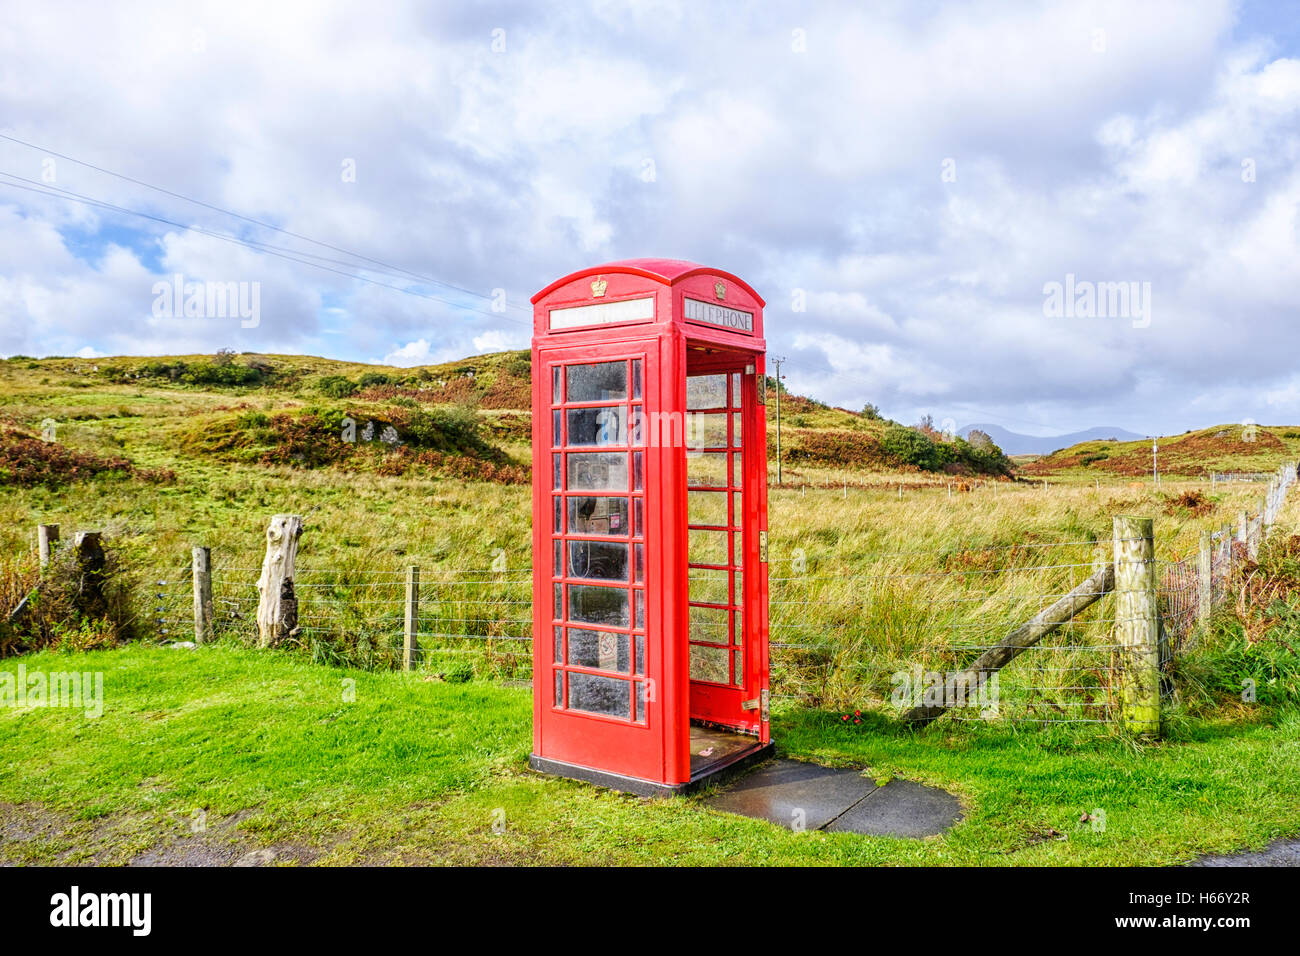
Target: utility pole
(777, 360)
(1155, 471)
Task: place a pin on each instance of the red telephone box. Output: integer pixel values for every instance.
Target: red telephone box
(649, 526)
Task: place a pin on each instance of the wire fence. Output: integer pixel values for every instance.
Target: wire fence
(845, 632)
(1230, 477)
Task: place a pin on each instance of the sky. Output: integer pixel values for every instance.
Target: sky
(926, 194)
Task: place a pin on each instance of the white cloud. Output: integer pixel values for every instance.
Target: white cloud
(412, 353)
(500, 341)
(818, 171)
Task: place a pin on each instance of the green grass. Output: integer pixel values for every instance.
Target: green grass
(414, 769)
(419, 771)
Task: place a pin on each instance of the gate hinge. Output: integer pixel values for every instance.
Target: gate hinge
(762, 695)
(762, 547)
(758, 703)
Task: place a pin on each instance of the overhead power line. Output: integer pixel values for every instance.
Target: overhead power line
(256, 222)
(56, 192)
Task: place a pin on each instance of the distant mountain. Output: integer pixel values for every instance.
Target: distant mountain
(1014, 443)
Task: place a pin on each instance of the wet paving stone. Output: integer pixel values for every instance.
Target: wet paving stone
(799, 795)
(901, 808)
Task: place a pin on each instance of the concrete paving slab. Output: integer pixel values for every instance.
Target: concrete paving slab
(789, 792)
(901, 808)
(1281, 853)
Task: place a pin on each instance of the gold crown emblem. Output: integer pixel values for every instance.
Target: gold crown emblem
(598, 287)
(719, 290)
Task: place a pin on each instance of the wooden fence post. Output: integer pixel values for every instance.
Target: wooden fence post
(1137, 623)
(1027, 635)
(47, 536)
(1257, 530)
(92, 564)
(201, 565)
(1243, 521)
(411, 646)
(1204, 577)
(277, 610)
(1226, 544)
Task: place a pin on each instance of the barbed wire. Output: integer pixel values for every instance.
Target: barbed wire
(834, 637)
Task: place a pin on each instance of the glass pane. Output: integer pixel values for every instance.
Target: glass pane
(707, 547)
(739, 587)
(638, 469)
(640, 608)
(602, 560)
(640, 653)
(557, 558)
(600, 695)
(591, 604)
(706, 469)
(735, 389)
(555, 385)
(706, 391)
(640, 702)
(557, 439)
(738, 626)
(710, 624)
(637, 432)
(597, 426)
(737, 470)
(708, 585)
(738, 512)
(638, 525)
(591, 515)
(602, 650)
(636, 378)
(707, 663)
(736, 429)
(559, 688)
(706, 429)
(706, 507)
(559, 602)
(559, 520)
(596, 383)
(638, 574)
(598, 471)
(559, 646)
(738, 675)
(555, 468)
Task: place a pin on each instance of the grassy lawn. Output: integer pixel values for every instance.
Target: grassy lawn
(208, 755)
(414, 770)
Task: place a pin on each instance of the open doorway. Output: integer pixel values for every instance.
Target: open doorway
(722, 491)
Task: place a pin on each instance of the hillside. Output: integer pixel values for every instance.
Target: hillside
(1220, 448)
(466, 419)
